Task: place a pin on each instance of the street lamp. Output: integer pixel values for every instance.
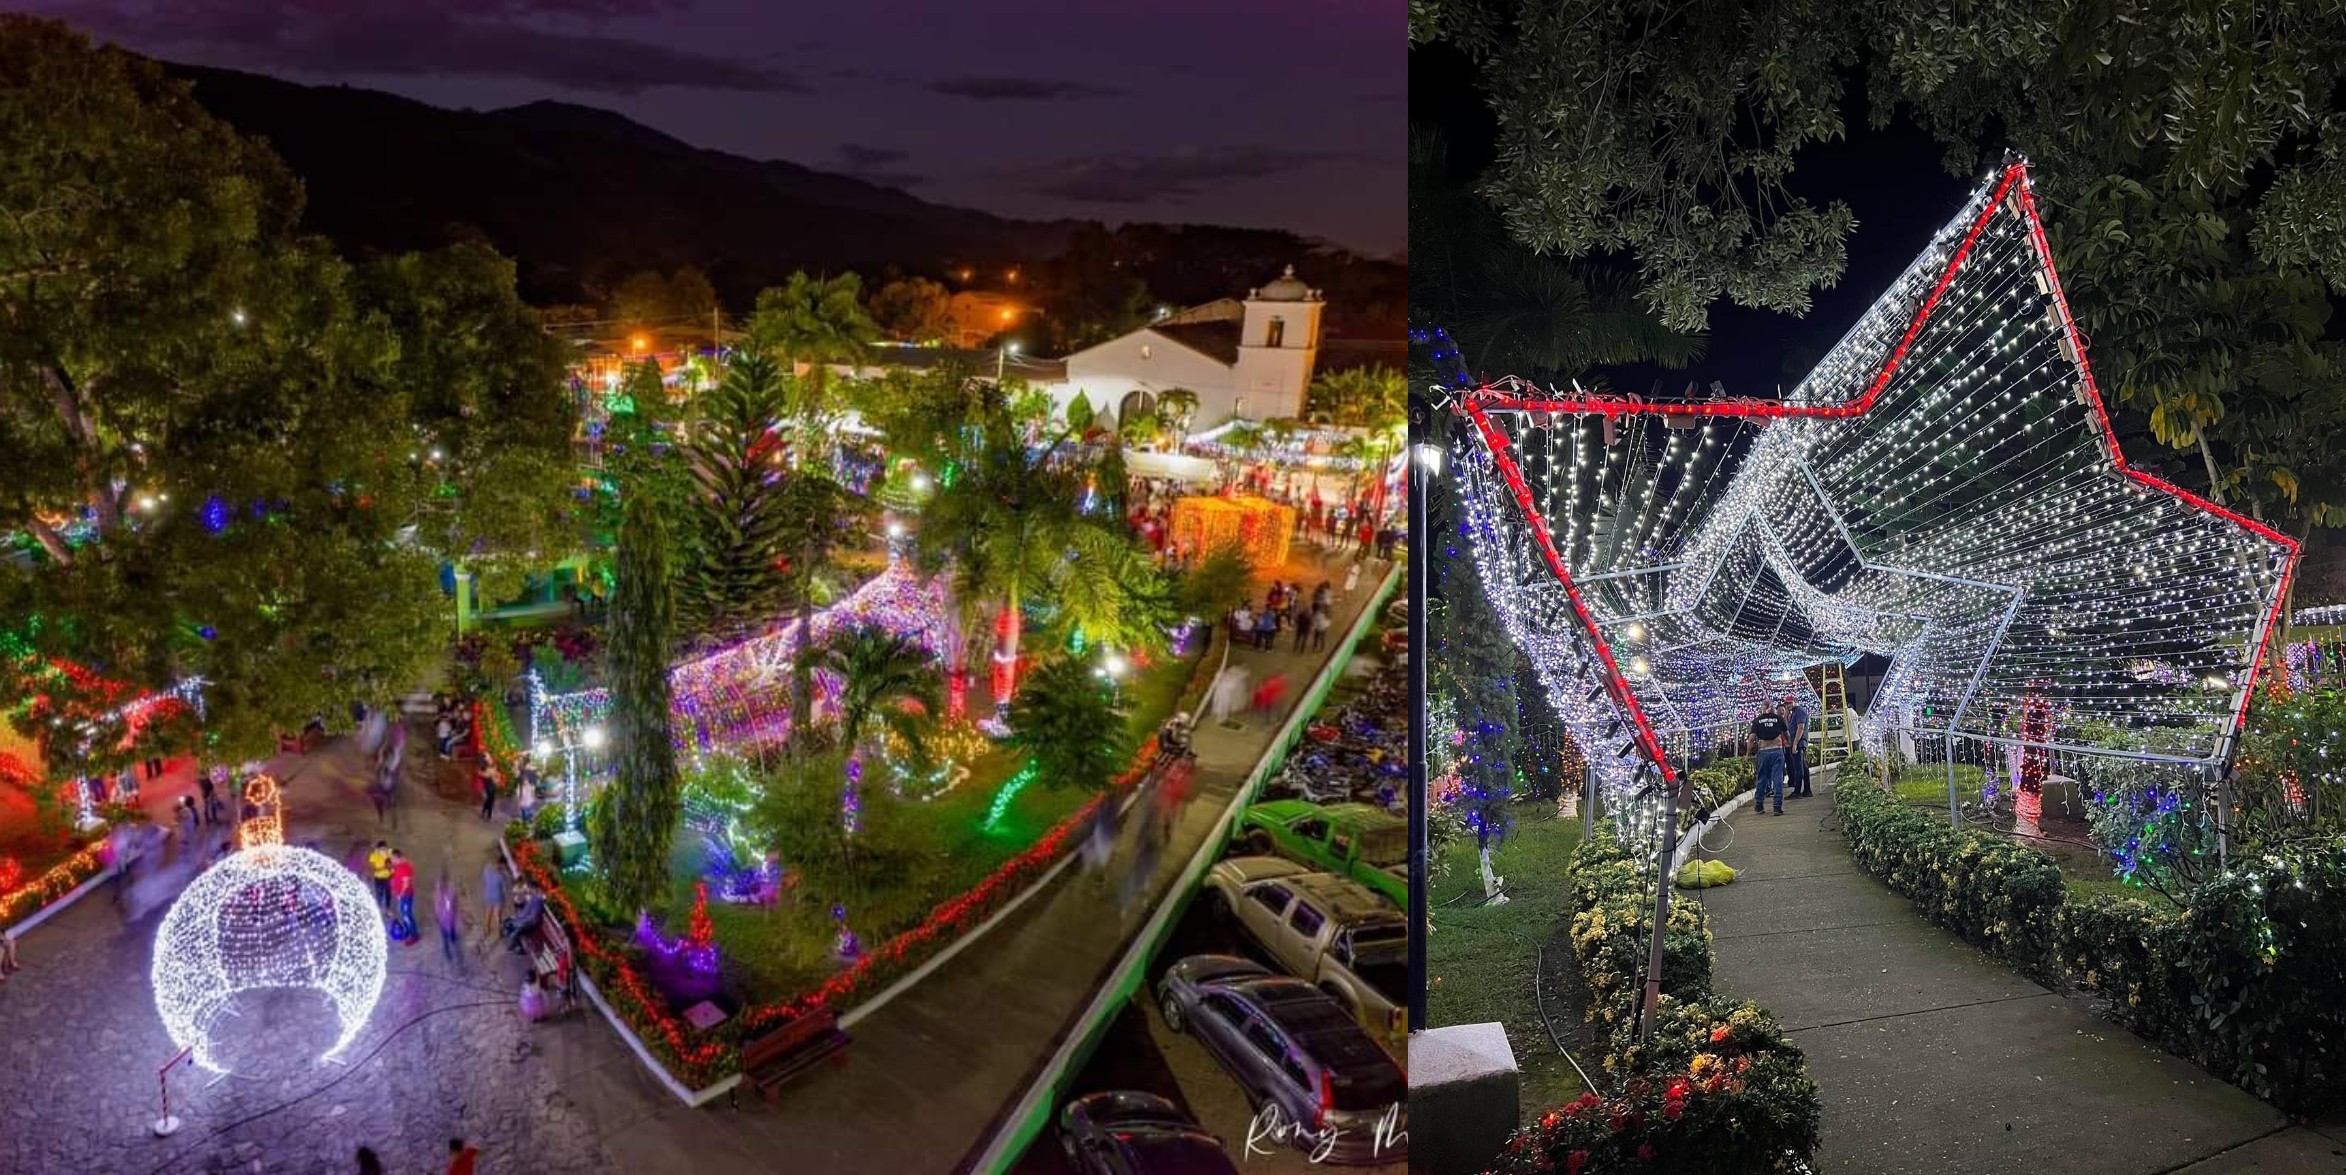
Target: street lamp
(1001, 356)
(593, 738)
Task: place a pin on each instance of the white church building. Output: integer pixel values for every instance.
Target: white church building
(1248, 357)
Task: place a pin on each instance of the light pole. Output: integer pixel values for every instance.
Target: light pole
(1001, 356)
(1427, 446)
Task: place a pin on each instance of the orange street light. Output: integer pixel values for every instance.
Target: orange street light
(1008, 315)
(639, 342)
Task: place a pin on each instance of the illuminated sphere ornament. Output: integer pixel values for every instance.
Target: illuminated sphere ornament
(268, 917)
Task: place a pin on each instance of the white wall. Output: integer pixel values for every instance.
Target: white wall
(1146, 361)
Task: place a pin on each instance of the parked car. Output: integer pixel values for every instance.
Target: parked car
(1327, 929)
(1329, 1089)
(1127, 1132)
(1359, 841)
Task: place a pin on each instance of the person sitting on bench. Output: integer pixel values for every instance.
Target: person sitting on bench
(524, 921)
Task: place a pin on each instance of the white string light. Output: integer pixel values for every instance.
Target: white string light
(267, 917)
(1941, 490)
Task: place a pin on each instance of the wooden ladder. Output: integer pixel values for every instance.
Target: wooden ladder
(1832, 735)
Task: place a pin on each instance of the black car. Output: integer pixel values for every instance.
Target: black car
(1304, 1062)
(1126, 1132)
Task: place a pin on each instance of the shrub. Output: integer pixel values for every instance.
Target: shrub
(1992, 891)
(1613, 914)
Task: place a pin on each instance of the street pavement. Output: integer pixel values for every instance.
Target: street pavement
(1931, 1057)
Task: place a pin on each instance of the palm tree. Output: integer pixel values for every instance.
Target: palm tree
(1357, 397)
(883, 676)
(818, 322)
(817, 516)
(1009, 528)
(1071, 725)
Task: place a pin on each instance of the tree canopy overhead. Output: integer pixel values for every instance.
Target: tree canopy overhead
(233, 454)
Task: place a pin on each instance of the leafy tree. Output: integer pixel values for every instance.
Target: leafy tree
(799, 814)
(913, 308)
(740, 520)
(1070, 724)
(1139, 428)
(1357, 397)
(681, 302)
(640, 456)
(1177, 407)
(818, 322)
(239, 457)
(1663, 131)
(1080, 414)
(918, 410)
(1092, 290)
(635, 825)
(1474, 666)
(1215, 585)
(641, 301)
(692, 301)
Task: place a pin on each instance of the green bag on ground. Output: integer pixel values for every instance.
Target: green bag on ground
(1705, 874)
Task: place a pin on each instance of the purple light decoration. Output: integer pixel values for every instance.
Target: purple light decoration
(847, 947)
(215, 516)
(851, 797)
(701, 960)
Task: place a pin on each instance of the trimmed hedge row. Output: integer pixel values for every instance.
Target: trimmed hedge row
(2249, 982)
(1717, 1088)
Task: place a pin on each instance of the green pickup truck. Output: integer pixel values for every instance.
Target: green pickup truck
(1359, 841)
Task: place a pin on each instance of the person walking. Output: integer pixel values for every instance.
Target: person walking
(445, 904)
(379, 864)
(1300, 616)
(211, 796)
(8, 964)
(1268, 695)
(1351, 579)
(1322, 619)
(403, 891)
(489, 783)
(1767, 735)
(462, 1158)
(1266, 628)
(1796, 755)
(368, 1163)
(492, 892)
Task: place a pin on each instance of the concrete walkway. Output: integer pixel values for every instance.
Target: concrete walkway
(1931, 1057)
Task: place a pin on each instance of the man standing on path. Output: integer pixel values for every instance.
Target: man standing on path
(493, 892)
(1796, 755)
(1767, 735)
(211, 797)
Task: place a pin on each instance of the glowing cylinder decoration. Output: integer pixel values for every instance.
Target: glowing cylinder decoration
(1259, 527)
(2036, 727)
(268, 917)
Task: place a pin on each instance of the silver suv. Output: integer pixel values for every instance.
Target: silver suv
(1331, 930)
(1315, 1079)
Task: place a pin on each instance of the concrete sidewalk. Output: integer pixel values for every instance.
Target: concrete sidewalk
(1931, 1057)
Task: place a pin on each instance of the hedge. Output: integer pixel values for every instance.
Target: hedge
(2249, 982)
(1717, 1087)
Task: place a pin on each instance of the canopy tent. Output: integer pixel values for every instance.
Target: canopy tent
(1944, 489)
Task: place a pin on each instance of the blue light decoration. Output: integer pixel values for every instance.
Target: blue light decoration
(215, 515)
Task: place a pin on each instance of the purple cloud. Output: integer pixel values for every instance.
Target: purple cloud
(1016, 89)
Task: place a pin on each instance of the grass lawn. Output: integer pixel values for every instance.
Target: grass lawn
(2084, 870)
(1480, 971)
(787, 949)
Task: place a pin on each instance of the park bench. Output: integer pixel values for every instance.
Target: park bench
(788, 1051)
(550, 956)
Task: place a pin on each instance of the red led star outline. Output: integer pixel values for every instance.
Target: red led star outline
(2015, 178)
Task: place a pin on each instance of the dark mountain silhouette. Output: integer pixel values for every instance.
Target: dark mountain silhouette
(582, 197)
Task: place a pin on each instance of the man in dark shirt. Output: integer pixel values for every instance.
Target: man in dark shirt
(1768, 735)
(1796, 755)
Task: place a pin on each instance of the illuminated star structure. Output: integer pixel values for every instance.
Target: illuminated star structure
(1944, 490)
(270, 916)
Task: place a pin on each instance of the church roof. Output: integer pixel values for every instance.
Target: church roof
(1216, 340)
(1285, 288)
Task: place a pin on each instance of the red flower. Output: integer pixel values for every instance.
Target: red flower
(1645, 1152)
(1671, 1110)
(1720, 1033)
(1574, 1162)
(1583, 1104)
(1619, 1121)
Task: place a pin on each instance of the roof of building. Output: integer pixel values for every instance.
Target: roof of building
(979, 360)
(1217, 340)
(1285, 288)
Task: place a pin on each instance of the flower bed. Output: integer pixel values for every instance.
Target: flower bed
(2248, 981)
(1717, 1088)
(29, 897)
(697, 1059)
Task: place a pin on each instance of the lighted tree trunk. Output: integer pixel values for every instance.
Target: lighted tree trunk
(1005, 679)
(2036, 727)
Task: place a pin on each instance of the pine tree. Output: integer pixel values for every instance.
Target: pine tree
(735, 581)
(635, 824)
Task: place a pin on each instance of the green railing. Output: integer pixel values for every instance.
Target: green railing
(1036, 1106)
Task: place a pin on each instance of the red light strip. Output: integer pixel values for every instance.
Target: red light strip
(1497, 442)
(2093, 393)
(1479, 407)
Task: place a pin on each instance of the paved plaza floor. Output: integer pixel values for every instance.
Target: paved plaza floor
(1931, 1057)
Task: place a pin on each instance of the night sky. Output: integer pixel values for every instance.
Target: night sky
(1894, 181)
(1261, 113)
